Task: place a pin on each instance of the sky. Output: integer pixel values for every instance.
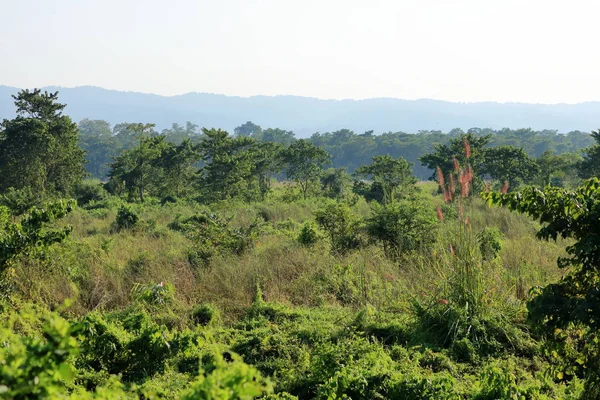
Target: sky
(534, 51)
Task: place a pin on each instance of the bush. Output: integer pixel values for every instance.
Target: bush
(89, 190)
(341, 225)
(205, 314)
(308, 235)
(401, 227)
(127, 218)
(490, 242)
(19, 201)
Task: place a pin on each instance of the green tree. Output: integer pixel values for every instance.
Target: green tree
(139, 168)
(177, 163)
(228, 167)
(248, 129)
(393, 175)
(557, 170)
(509, 164)
(568, 312)
(589, 167)
(304, 163)
(40, 147)
(444, 155)
(275, 135)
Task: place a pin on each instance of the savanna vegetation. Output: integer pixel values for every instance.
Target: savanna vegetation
(197, 264)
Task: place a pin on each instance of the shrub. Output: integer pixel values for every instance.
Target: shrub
(341, 225)
(490, 242)
(213, 235)
(89, 190)
(205, 314)
(308, 235)
(153, 293)
(19, 201)
(127, 218)
(401, 227)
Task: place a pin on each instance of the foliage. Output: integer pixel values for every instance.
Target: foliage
(401, 227)
(31, 235)
(127, 218)
(394, 176)
(490, 242)
(509, 164)
(572, 303)
(341, 226)
(304, 163)
(19, 201)
(308, 235)
(39, 148)
(88, 191)
(589, 167)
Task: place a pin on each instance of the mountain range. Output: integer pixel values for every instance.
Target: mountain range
(305, 115)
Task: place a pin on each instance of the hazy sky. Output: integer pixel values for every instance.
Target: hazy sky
(542, 51)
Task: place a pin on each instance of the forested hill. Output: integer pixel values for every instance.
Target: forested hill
(306, 116)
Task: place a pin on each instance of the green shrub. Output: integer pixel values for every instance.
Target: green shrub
(490, 242)
(341, 225)
(89, 190)
(127, 218)
(308, 235)
(401, 227)
(205, 314)
(153, 293)
(19, 201)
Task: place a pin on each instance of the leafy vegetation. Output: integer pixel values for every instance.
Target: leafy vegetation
(212, 266)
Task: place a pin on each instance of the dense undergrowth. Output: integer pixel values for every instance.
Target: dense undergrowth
(286, 298)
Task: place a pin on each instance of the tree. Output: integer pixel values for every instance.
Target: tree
(275, 135)
(590, 166)
(304, 163)
(228, 165)
(137, 168)
(96, 138)
(568, 312)
(248, 129)
(509, 164)
(266, 160)
(40, 147)
(177, 162)
(393, 175)
(444, 155)
(557, 170)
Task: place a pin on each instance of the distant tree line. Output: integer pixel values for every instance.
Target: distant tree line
(44, 152)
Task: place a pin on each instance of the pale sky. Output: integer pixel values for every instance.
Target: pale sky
(541, 51)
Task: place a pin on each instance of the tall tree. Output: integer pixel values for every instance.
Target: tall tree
(40, 147)
(227, 169)
(136, 169)
(509, 164)
(304, 163)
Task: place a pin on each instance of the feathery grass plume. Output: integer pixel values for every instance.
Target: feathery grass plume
(440, 214)
(505, 187)
(467, 147)
(487, 186)
(456, 165)
(452, 184)
(440, 176)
